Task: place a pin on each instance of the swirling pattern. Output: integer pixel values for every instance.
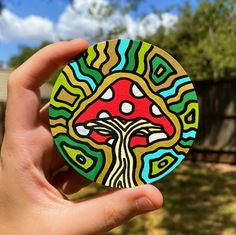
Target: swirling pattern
(123, 113)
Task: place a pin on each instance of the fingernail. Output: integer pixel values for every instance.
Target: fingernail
(144, 204)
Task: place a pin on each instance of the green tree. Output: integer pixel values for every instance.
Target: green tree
(203, 40)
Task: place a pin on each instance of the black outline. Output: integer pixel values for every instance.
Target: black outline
(59, 109)
(164, 70)
(152, 152)
(153, 72)
(193, 113)
(177, 90)
(105, 92)
(114, 159)
(57, 125)
(101, 111)
(96, 57)
(145, 60)
(106, 54)
(187, 139)
(159, 164)
(182, 97)
(78, 156)
(88, 74)
(126, 54)
(89, 146)
(118, 56)
(173, 82)
(153, 114)
(132, 57)
(95, 160)
(120, 174)
(64, 101)
(186, 106)
(78, 79)
(71, 84)
(76, 132)
(131, 93)
(150, 176)
(136, 58)
(126, 101)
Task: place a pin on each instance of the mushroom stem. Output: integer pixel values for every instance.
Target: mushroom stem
(122, 173)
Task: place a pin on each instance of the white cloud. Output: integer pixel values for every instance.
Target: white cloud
(85, 19)
(32, 27)
(148, 25)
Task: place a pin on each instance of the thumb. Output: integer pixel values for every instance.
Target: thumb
(107, 211)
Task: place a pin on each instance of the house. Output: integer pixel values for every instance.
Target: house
(45, 92)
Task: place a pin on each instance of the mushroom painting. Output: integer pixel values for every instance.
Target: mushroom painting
(123, 113)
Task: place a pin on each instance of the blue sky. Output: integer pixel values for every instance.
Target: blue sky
(30, 22)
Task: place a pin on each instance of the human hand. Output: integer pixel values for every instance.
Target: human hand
(30, 198)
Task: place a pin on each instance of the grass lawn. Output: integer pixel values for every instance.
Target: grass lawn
(199, 199)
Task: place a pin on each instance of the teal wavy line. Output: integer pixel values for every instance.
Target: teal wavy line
(155, 155)
(171, 91)
(122, 49)
(189, 134)
(82, 77)
(95, 75)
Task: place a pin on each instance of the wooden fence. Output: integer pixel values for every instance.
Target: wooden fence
(216, 139)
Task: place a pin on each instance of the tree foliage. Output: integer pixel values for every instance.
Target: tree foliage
(203, 40)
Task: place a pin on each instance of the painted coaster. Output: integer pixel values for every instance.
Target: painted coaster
(123, 113)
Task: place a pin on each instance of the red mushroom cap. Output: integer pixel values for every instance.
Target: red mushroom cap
(125, 99)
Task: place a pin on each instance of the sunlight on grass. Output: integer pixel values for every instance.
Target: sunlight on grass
(199, 199)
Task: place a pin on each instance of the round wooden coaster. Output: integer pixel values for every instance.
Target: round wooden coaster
(123, 113)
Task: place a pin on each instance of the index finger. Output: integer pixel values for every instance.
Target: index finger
(23, 87)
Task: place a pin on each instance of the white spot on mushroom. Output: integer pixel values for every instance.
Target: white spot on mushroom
(104, 114)
(127, 107)
(155, 110)
(82, 130)
(136, 91)
(108, 94)
(156, 136)
(110, 141)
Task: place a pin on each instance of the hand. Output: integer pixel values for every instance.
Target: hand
(30, 199)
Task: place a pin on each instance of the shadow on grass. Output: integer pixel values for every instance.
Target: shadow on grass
(199, 199)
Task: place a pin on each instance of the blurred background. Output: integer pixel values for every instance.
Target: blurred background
(200, 196)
